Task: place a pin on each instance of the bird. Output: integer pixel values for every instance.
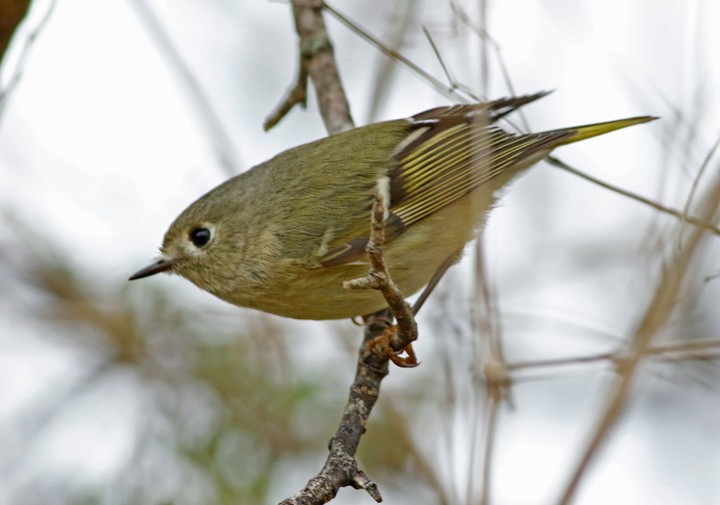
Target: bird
(283, 236)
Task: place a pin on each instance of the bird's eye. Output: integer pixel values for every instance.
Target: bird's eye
(200, 237)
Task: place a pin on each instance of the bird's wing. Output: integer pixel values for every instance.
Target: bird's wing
(449, 152)
(446, 153)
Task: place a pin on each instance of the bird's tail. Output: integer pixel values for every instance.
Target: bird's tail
(593, 130)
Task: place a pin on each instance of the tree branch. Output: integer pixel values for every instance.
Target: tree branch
(341, 468)
(382, 343)
(317, 60)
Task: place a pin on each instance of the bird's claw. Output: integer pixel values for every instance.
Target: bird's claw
(382, 345)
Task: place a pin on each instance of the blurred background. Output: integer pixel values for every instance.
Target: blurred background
(115, 115)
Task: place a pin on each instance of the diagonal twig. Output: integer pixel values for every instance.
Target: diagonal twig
(702, 223)
(435, 83)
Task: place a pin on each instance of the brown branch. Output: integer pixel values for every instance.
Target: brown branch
(695, 350)
(317, 61)
(436, 84)
(341, 468)
(296, 95)
(633, 196)
(494, 369)
(381, 344)
(13, 13)
(453, 83)
(379, 278)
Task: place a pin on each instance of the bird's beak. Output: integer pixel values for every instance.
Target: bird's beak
(162, 264)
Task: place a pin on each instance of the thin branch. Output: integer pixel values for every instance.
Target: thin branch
(398, 23)
(492, 412)
(454, 83)
(436, 84)
(317, 61)
(379, 278)
(697, 350)
(697, 178)
(296, 95)
(486, 38)
(484, 60)
(381, 344)
(633, 196)
(341, 468)
(495, 375)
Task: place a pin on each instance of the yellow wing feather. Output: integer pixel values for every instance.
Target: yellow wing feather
(452, 151)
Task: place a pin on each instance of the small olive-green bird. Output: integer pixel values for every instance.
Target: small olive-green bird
(283, 236)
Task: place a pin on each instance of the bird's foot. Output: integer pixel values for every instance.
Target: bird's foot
(382, 345)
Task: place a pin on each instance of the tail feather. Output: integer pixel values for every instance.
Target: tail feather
(593, 130)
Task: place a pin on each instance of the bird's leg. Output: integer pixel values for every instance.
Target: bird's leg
(396, 339)
(450, 261)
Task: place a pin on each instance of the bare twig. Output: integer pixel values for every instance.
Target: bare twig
(696, 350)
(317, 60)
(633, 196)
(399, 23)
(454, 83)
(436, 84)
(296, 95)
(494, 373)
(379, 278)
(341, 468)
(491, 412)
(486, 39)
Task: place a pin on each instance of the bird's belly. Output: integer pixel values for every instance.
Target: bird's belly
(412, 259)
